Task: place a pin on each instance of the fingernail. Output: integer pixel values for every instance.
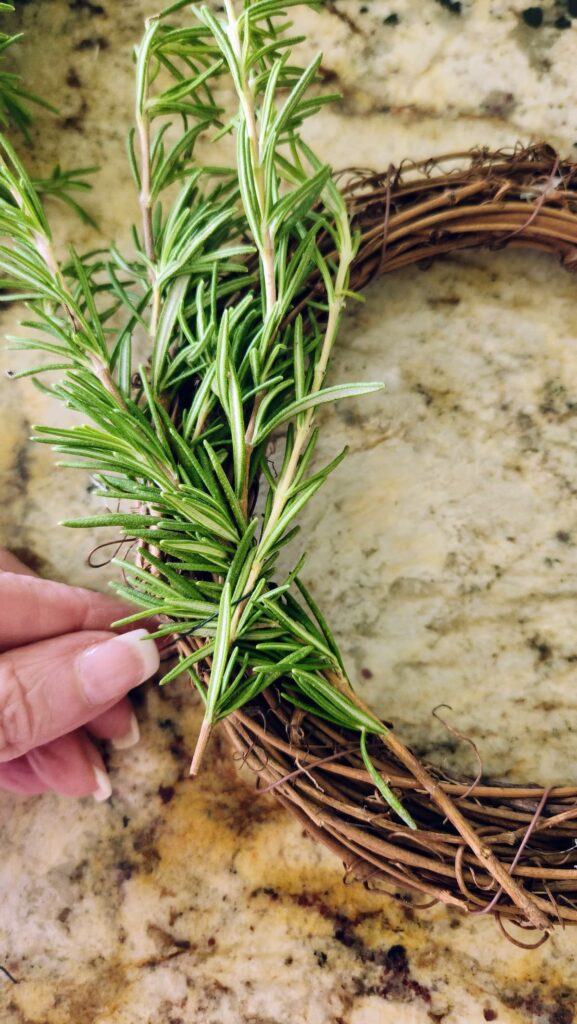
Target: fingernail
(103, 787)
(108, 670)
(130, 738)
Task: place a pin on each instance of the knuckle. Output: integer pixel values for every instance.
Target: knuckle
(17, 719)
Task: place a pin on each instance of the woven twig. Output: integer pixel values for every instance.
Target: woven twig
(484, 847)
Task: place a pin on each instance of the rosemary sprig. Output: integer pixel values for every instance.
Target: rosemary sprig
(15, 99)
(15, 112)
(217, 269)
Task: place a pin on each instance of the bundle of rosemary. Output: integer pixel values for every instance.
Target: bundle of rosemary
(213, 289)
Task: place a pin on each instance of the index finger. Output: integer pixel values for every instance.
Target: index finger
(34, 609)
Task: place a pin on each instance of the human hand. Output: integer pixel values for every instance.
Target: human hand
(64, 676)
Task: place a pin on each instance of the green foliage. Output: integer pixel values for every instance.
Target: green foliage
(15, 112)
(179, 444)
(63, 185)
(15, 99)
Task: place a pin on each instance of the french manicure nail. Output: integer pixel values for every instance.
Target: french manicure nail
(103, 786)
(108, 670)
(130, 738)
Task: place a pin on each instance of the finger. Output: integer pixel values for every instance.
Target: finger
(51, 688)
(118, 724)
(35, 609)
(18, 776)
(10, 563)
(71, 765)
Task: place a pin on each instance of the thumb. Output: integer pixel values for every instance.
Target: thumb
(52, 687)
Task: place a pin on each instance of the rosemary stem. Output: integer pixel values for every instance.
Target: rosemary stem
(303, 431)
(45, 250)
(265, 243)
(265, 246)
(143, 129)
(101, 371)
(201, 744)
(155, 307)
(145, 200)
(248, 101)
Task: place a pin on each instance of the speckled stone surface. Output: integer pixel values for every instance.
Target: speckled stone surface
(444, 552)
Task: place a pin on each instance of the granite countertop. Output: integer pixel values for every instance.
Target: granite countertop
(444, 552)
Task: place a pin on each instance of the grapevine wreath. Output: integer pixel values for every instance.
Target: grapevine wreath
(208, 344)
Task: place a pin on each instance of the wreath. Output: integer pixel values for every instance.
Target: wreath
(483, 847)
(233, 293)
